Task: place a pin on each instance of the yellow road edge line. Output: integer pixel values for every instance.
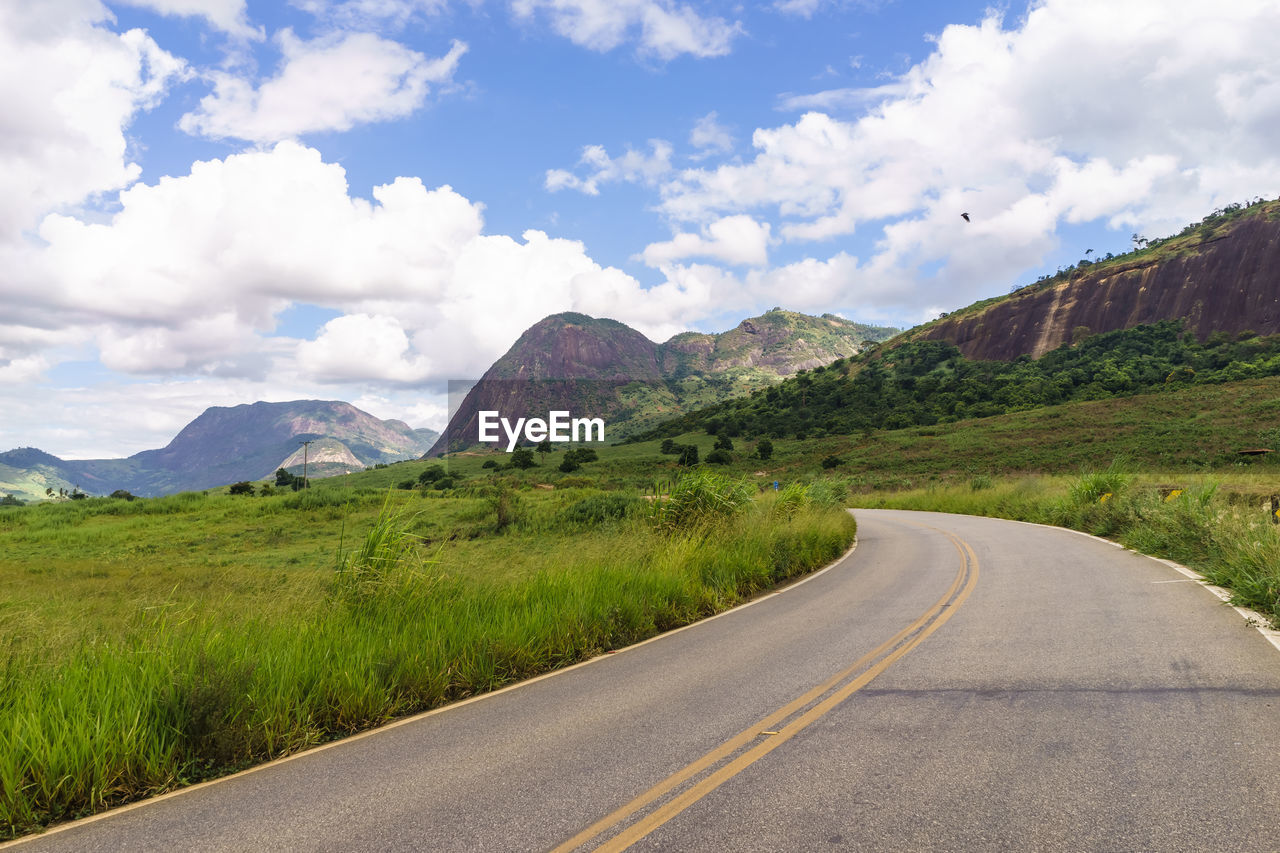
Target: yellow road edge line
(938, 612)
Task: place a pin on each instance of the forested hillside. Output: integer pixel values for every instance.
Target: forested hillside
(928, 382)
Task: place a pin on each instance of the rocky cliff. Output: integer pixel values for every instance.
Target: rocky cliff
(1223, 276)
(603, 368)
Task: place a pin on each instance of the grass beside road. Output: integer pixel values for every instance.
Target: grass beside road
(152, 644)
(1219, 526)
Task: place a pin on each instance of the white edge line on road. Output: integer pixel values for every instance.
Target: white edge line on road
(1252, 617)
(404, 721)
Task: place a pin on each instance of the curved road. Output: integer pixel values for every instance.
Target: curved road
(956, 683)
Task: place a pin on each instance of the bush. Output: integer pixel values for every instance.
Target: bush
(688, 455)
(702, 498)
(719, 457)
(407, 485)
(522, 458)
(568, 465)
(764, 449)
(831, 461)
(122, 494)
(244, 487)
(430, 475)
(1093, 485)
(490, 463)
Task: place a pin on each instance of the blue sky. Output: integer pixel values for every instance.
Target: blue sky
(211, 202)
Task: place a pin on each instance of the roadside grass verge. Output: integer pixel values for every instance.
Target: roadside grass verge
(177, 694)
(1222, 531)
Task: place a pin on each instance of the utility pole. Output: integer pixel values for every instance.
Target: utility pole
(305, 446)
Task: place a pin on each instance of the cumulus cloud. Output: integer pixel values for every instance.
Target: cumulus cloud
(362, 347)
(69, 87)
(710, 137)
(225, 15)
(734, 239)
(1083, 111)
(633, 166)
(662, 28)
(331, 83)
(190, 274)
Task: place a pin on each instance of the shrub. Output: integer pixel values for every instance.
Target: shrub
(490, 463)
(430, 475)
(719, 457)
(568, 465)
(831, 461)
(764, 449)
(702, 498)
(244, 487)
(522, 458)
(1093, 485)
(688, 455)
(793, 498)
(122, 494)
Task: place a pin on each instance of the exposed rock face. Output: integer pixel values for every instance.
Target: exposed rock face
(1227, 281)
(603, 368)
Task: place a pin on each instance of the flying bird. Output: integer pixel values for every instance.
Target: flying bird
(966, 216)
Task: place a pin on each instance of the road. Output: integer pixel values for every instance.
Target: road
(956, 683)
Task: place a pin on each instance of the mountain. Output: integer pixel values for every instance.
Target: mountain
(1219, 275)
(226, 445)
(593, 367)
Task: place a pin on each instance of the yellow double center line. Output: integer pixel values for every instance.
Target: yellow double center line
(754, 743)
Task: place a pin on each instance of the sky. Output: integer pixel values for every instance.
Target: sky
(213, 202)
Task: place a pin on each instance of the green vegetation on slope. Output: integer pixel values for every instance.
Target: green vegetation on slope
(930, 382)
(149, 644)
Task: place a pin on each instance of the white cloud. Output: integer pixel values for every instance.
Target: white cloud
(226, 15)
(331, 83)
(362, 347)
(733, 239)
(189, 275)
(664, 29)
(633, 166)
(69, 88)
(710, 137)
(1083, 111)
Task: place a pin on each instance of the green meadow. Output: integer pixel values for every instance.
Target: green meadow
(149, 644)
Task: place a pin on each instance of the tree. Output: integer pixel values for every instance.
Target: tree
(122, 494)
(10, 500)
(723, 442)
(522, 458)
(244, 487)
(719, 457)
(832, 461)
(764, 449)
(688, 455)
(568, 465)
(431, 474)
(285, 480)
(544, 447)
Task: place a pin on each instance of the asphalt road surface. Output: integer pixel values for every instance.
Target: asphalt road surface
(956, 683)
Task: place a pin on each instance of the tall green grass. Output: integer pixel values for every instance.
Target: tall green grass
(1227, 538)
(184, 694)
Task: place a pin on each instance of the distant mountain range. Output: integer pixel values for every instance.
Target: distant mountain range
(602, 368)
(225, 445)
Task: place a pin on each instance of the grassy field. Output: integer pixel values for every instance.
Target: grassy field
(149, 644)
